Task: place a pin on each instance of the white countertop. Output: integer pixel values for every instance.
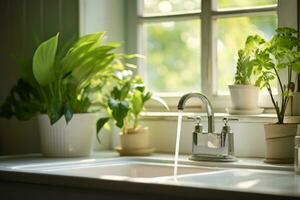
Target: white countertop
(265, 180)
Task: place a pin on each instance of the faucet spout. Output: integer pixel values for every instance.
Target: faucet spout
(204, 99)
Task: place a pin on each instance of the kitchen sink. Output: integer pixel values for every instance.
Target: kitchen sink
(118, 169)
(131, 169)
(237, 179)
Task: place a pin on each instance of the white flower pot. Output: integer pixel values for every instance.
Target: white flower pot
(244, 97)
(67, 140)
(280, 142)
(135, 139)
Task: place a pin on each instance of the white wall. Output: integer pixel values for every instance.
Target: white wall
(249, 134)
(103, 15)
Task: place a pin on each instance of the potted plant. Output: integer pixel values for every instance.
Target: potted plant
(280, 53)
(125, 104)
(64, 87)
(244, 94)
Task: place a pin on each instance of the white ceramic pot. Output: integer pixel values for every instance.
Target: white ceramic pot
(244, 97)
(280, 142)
(67, 140)
(135, 138)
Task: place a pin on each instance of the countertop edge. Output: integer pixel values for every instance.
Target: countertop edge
(133, 187)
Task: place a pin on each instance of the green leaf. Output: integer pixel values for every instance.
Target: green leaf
(89, 38)
(119, 110)
(116, 93)
(140, 87)
(87, 55)
(259, 81)
(287, 93)
(100, 123)
(137, 102)
(252, 43)
(23, 102)
(125, 90)
(44, 61)
(121, 94)
(147, 96)
(296, 66)
(55, 110)
(68, 113)
(65, 46)
(248, 60)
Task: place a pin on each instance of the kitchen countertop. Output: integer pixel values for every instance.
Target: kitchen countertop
(286, 184)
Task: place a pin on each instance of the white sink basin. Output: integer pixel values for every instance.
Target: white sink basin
(129, 169)
(118, 169)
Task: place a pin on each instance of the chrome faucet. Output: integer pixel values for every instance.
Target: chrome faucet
(209, 146)
(209, 110)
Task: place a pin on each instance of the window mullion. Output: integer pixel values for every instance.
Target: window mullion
(206, 47)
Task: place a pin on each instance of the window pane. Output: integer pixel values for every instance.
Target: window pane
(172, 52)
(158, 7)
(242, 4)
(231, 36)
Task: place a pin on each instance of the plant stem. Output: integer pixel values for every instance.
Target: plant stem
(59, 87)
(285, 99)
(282, 96)
(44, 96)
(273, 101)
(136, 121)
(278, 78)
(51, 89)
(125, 126)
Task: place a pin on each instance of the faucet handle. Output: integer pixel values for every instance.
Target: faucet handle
(227, 119)
(197, 119)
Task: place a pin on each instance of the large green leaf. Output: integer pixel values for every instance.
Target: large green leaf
(100, 123)
(90, 38)
(55, 110)
(119, 111)
(44, 61)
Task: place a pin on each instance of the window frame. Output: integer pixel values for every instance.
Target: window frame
(134, 41)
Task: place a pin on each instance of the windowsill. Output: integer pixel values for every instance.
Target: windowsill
(219, 102)
(172, 116)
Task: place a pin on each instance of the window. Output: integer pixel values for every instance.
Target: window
(171, 42)
(191, 45)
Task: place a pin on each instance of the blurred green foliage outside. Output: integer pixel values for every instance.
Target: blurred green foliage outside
(173, 48)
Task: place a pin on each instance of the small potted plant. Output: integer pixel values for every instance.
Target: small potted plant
(64, 87)
(125, 104)
(280, 53)
(244, 94)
